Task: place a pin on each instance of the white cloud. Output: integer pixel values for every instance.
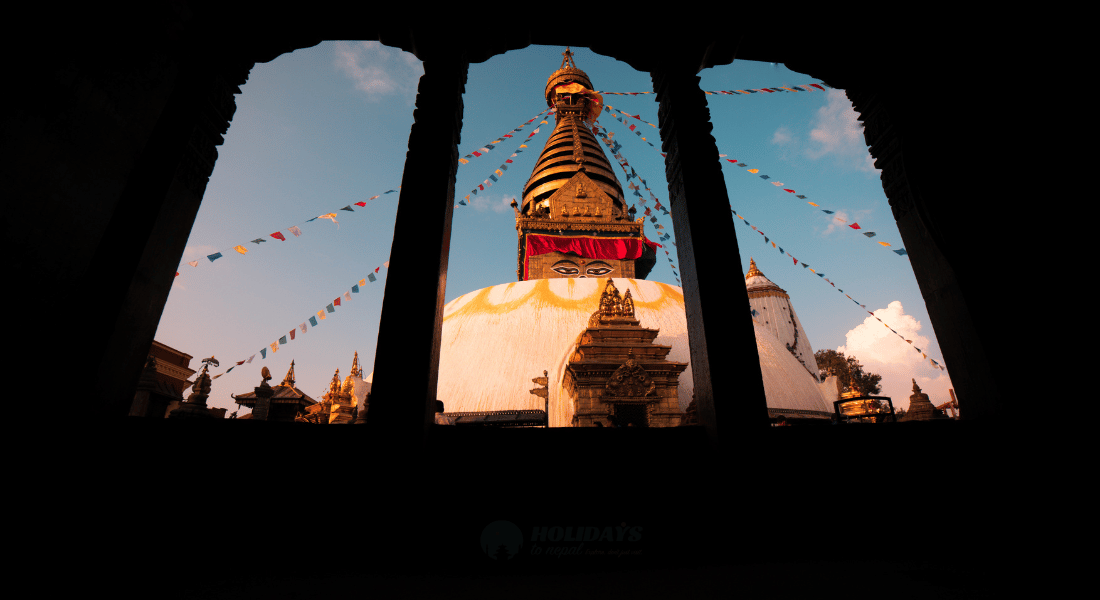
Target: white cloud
(837, 131)
(782, 136)
(882, 352)
(484, 202)
(378, 70)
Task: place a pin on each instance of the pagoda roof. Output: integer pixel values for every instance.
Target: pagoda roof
(283, 394)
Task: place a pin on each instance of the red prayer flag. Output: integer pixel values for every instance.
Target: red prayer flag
(854, 226)
(292, 334)
(360, 203)
(818, 86)
(476, 154)
(786, 190)
(731, 159)
(278, 235)
(376, 269)
(336, 302)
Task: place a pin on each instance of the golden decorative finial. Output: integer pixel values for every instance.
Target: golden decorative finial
(289, 379)
(567, 57)
(355, 369)
(753, 271)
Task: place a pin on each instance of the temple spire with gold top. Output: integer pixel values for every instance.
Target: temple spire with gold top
(289, 379)
(574, 220)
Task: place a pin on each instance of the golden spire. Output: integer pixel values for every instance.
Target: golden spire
(355, 369)
(334, 385)
(289, 379)
(753, 271)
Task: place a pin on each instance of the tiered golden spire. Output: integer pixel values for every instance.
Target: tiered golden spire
(355, 369)
(753, 271)
(289, 379)
(572, 147)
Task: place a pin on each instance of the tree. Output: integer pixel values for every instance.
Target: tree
(848, 370)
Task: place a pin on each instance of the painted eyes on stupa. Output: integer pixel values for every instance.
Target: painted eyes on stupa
(597, 269)
(571, 269)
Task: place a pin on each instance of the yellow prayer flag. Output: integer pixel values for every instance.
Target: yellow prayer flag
(811, 204)
(884, 243)
(498, 172)
(363, 282)
(754, 170)
(523, 145)
(463, 160)
(321, 314)
(813, 271)
(495, 142)
(241, 249)
(773, 244)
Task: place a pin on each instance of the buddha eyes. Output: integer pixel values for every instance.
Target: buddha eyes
(565, 270)
(592, 270)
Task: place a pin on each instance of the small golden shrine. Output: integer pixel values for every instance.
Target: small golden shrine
(574, 220)
(616, 372)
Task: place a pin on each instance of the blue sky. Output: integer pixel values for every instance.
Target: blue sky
(325, 127)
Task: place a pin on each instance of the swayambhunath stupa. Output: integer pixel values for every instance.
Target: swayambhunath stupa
(583, 312)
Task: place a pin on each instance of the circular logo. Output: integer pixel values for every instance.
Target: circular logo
(501, 540)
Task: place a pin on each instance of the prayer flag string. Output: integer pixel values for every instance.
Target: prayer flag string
(500, 139)
(661, 234)
(341, 301)
(794, 88)
(293, 229)
(823, 278)
(499, 172)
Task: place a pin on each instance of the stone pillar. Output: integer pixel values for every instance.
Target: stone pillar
(262, 412)
(403, 391)
(707, 247)
(910, 159)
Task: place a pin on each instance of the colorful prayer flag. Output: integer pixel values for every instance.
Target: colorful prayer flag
(279, 236)
(241, 249)
(297, 232)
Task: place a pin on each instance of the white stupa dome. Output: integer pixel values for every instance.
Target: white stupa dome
(497, 339)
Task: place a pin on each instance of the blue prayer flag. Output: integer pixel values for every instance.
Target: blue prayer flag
(900, 252)
(313, 321)
(371, 277)
(869, 234)
(330, 308)
(828, 212)
(347, 208)
(282, 340)
(355, 289)
(258, 241)
(764, 177)
(263, 352)
(214, 256)
(493, 177)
